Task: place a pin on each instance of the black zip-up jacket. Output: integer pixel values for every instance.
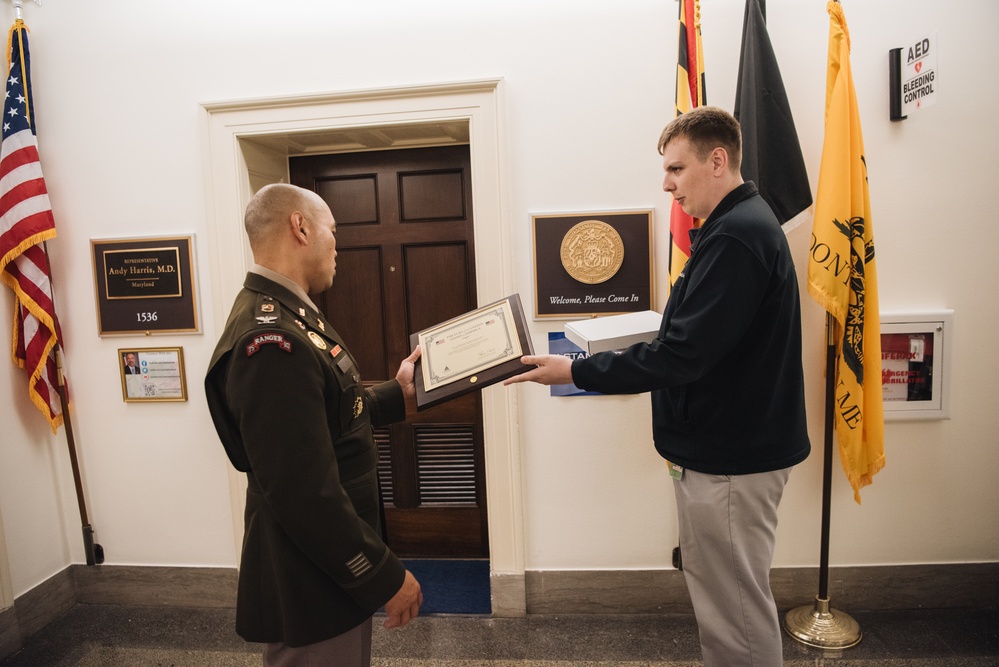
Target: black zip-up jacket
(725, 370)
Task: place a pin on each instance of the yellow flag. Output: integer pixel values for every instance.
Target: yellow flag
(842, 275)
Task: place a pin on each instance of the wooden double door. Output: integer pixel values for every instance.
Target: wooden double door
(405, 262)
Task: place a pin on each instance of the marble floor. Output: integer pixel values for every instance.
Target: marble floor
(133, 636)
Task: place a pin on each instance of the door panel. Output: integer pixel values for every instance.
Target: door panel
(428, 268)
(357, 202)
(431, 197)
(406, 262)
(359, 286)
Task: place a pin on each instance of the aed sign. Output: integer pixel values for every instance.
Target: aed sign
(919, 74)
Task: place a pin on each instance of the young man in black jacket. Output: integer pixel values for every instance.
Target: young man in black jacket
(728, 409)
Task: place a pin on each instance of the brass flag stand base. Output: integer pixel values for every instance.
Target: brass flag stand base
(818, 625)
(822, 627)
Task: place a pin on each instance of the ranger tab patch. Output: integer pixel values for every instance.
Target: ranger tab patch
(268, 339)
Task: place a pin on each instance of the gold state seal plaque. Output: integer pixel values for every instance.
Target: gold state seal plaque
(592, 252)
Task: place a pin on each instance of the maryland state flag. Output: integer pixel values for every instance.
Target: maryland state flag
(689, 95)
(771, 154)
(842, 275)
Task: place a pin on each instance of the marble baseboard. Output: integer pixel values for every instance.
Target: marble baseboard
(851, 589)
(950, 586)
(156, 586)
(507, 595)
(113, 584)
(10, 634)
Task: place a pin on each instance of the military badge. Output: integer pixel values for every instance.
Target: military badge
(317, 341)
(267, 308)
(358, 407)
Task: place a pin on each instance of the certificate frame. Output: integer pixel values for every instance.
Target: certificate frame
(916, 359)
(145, 285)
(161, 376)
(481, 377)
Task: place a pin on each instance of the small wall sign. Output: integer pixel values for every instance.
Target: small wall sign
(912, 74)
(152, 374)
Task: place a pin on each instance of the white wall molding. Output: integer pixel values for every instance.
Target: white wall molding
(233, 172)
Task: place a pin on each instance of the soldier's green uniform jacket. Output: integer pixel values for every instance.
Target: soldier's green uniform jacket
(288, 404)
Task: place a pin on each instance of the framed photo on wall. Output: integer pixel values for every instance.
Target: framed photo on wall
(589, 264)
(152, 374)
(915, 365)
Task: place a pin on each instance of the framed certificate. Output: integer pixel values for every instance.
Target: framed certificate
(471, 351)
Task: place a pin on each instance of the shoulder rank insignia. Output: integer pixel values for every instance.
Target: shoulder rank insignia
(317, 340)
(266, 319)
(358, 407)
(322, 325)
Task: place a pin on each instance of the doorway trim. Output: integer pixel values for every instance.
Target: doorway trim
(247, 144)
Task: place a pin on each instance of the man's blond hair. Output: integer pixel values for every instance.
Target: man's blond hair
(706, 128)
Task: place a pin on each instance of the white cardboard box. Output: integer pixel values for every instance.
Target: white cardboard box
(614, 332)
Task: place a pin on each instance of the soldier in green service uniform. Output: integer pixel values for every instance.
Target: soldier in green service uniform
(288, 404)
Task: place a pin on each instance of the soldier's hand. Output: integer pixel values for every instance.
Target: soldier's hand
(405, 604)
(406, 370)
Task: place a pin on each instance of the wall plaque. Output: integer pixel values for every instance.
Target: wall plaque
(588, 264)
(145, 285)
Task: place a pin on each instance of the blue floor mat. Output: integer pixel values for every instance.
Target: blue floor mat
(452, 586)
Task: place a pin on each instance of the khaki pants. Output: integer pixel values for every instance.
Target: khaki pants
(727, 529)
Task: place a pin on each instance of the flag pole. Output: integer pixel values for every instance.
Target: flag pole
(819, 625)
(94, 552)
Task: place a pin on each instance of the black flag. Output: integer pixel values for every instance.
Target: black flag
(771, 155)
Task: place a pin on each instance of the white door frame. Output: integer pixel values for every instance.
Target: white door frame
(236, 166)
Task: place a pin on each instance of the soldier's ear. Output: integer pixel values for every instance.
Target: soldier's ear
(299, 227)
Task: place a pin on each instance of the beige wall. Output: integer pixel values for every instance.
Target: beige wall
(119, 88)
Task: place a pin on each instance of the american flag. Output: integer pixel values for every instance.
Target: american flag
(26, 222)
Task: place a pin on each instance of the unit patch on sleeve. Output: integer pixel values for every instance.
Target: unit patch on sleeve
(268, 339)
